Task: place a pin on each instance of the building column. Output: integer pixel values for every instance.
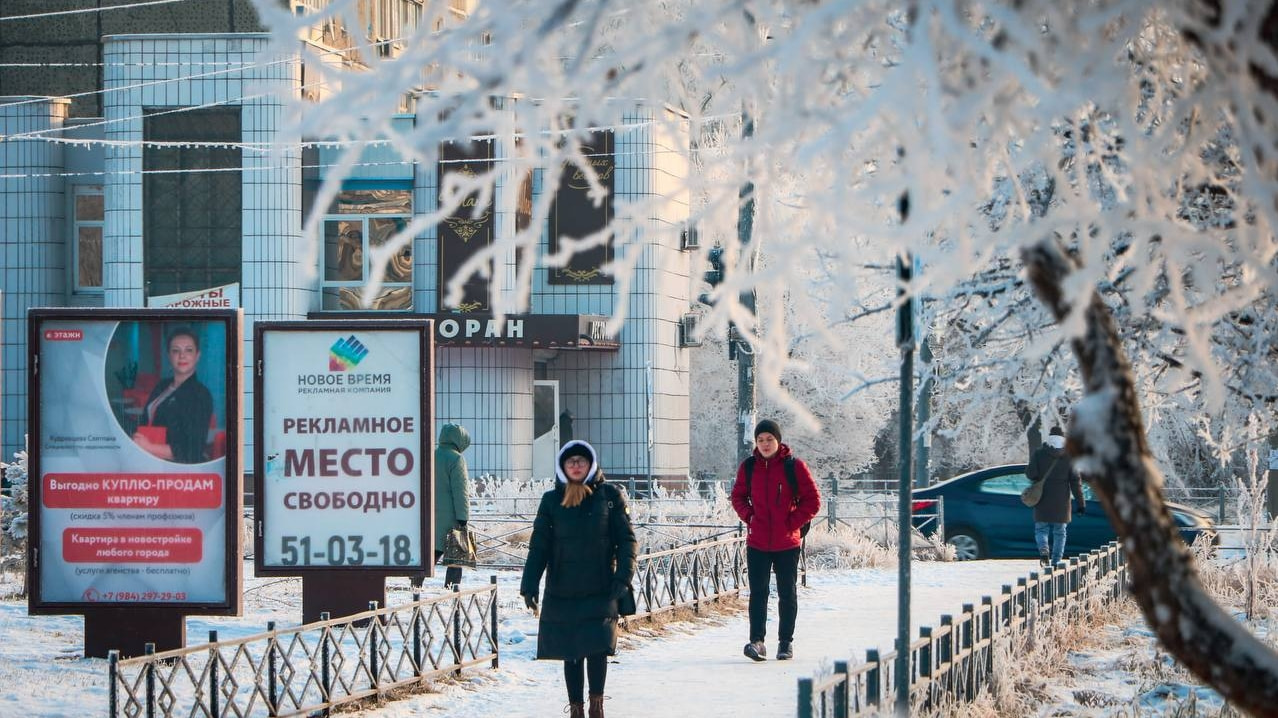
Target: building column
(33, 244)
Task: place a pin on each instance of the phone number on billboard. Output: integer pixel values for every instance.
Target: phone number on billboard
(345, 551)
(140, 596)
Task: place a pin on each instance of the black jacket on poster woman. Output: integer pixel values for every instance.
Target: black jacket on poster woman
(185, 416)
(1054, 469)
(588, 555)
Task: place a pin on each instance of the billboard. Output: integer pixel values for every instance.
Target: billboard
(135, 464)
(343, 442)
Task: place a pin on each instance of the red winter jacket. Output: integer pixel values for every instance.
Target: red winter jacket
(771, 512)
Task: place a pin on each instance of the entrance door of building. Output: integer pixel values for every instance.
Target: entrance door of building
(545, 427)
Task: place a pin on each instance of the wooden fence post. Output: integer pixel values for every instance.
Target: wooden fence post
(805, 698)
(965, 648)
(925, 667)
(873, 679)
(841, 694)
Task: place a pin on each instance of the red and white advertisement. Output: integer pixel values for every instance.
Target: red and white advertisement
(226, 296)
(130, 502)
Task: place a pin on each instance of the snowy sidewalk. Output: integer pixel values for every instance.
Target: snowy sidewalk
(697, 669)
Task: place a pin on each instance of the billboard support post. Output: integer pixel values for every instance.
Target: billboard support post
(128, 630)
(340, 593)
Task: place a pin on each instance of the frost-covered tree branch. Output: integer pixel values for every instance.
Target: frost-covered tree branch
(1107, 439)
(1143, 135)
(1099, 121)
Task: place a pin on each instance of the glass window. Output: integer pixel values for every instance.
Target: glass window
(359, 223)
(191, 198)
(1016, 483)
(87, 221)
(1010, 484)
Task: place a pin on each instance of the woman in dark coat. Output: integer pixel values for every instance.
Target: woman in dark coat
(1051, 465)
(181, 407)
(583, 541)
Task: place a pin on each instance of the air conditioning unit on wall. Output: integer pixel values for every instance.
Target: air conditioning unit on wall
(688, 331)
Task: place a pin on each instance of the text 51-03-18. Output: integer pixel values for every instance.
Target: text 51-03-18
(345, 551)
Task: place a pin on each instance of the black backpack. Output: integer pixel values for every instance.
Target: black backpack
(748, 464)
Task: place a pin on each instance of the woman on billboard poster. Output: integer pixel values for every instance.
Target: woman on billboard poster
(175, 420)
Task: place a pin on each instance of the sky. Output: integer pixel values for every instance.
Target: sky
(690, 667)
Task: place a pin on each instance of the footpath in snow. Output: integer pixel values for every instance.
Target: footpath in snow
(697, 669)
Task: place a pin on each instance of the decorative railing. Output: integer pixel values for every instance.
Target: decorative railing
(688, 576)
(955, 662)
(313, 667)
(318, 666)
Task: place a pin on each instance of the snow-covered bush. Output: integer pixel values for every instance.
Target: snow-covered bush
(13, 515)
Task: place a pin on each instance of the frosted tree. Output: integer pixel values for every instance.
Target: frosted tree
(13, 515)
(1129, 149)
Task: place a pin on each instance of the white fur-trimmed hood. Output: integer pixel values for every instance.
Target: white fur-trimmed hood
(594, 462)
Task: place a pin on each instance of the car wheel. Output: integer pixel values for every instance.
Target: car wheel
(966, 543)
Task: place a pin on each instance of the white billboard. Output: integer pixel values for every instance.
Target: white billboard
(344, 446)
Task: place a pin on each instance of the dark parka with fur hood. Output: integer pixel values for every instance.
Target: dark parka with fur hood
(588, 555)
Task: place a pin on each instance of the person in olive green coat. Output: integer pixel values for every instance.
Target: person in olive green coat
(452, 493)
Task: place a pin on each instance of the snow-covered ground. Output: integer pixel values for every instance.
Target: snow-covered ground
(688, 668)
(691, 667)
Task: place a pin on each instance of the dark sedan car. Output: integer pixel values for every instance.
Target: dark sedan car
(984, 516)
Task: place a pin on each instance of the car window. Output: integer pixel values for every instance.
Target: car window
(1007, 484)
(1016, 483)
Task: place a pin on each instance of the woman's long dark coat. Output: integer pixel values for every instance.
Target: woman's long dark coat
(587, 553)
(185, 416)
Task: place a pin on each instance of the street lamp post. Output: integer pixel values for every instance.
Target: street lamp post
(905, 342)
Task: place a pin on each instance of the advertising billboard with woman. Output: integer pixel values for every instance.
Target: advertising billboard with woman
(135, 436)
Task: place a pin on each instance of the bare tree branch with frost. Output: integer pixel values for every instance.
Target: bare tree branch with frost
(1107, 439)
(1141, 134)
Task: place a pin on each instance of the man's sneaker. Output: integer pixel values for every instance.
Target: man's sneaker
(756, 651)
(785, 651)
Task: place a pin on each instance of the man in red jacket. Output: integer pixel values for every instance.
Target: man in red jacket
(774, 513)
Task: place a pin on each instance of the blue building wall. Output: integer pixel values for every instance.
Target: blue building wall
(632, 403)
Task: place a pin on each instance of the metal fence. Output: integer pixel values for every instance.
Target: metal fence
(502, 523)
(313, 667)
(688, 576)
(954, 663)
(317, 666)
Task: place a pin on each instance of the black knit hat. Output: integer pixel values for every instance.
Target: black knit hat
(768, 426)
(576, 448)
(1056, 431)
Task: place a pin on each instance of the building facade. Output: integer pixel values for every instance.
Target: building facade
(154, 183)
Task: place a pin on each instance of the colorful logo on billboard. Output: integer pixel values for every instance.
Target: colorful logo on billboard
(346, 353)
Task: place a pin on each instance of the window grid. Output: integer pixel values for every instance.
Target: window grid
(88, 217)
(349, 239)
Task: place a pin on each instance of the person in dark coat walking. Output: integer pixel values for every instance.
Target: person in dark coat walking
(583, 541)
(774, 516)
(1051, 465)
